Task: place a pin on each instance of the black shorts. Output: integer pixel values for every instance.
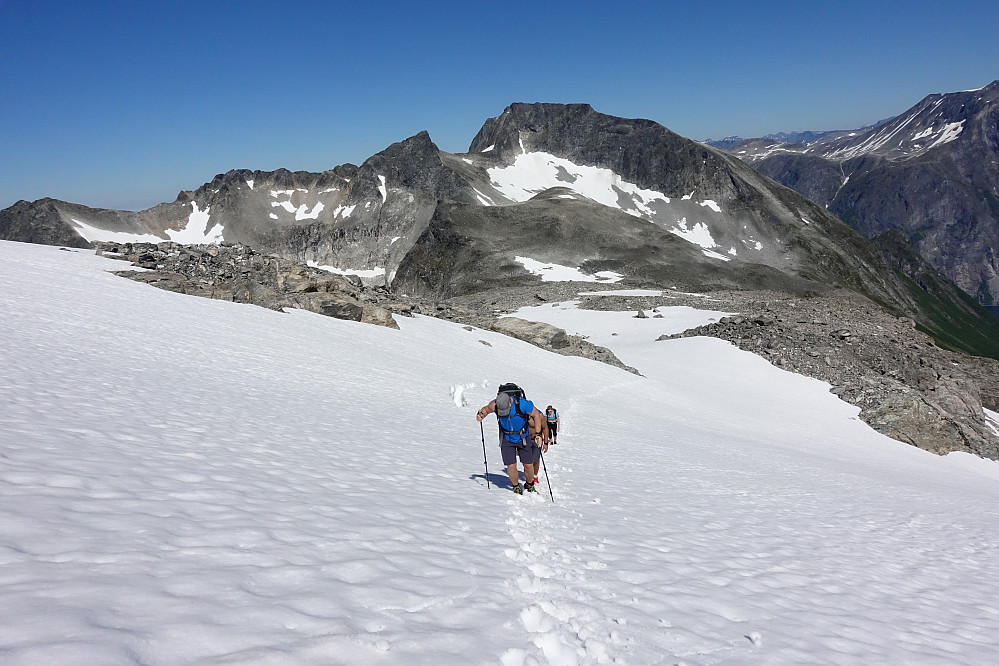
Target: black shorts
(526, 450)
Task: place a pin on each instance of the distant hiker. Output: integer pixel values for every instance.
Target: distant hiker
(551, 416)
(522, 431)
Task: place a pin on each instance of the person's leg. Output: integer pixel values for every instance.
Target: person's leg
(512, 472)
(537, 461)
(509, 453)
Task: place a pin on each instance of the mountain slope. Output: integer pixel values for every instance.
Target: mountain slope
(194, 481)
(932, 173)
(605, 192)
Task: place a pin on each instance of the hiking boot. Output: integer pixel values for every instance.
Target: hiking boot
(529, 487)
(518, 489)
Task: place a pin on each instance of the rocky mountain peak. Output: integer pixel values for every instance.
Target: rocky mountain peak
(931, 172)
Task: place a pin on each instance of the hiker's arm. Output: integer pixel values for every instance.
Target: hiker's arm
(538, 425)
(485, 411)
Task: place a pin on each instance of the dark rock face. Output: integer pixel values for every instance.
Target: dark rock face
(960, 323)
(38, 222)
(932, 173)
(460, 251)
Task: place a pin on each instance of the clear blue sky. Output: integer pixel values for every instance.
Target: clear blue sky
(124, 104)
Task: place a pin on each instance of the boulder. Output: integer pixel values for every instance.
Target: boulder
(542, 335)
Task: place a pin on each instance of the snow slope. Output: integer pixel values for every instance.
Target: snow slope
(193, 481)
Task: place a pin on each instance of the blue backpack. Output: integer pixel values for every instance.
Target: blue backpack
(512, 413)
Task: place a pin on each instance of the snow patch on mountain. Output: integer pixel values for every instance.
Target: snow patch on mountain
(483, 199)
(719, 255)
(344, 211)
(559, 273)
(377, 271)
(694, 232)
(301, 212)
(93, 234)
(536, 172)
(196, 231)
(949, 133)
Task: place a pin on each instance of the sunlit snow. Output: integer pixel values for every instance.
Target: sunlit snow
(715, 255)
(697, 233)
(359, 272)
(249, 183)
(301, 212)
(196, 231)
(188, 480)
(483, 199)
(344, 211)
(382, 189)
(93, 234)
(532, 173)
(950, 132)
(559, 273)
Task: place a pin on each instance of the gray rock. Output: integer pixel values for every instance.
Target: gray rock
(235, 273)
(542, 335)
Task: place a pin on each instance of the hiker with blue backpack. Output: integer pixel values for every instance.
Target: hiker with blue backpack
(523, 430)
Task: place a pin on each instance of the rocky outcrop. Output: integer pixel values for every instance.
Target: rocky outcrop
(38, 222)
(537, 333)
(555, 339)
(236, 273)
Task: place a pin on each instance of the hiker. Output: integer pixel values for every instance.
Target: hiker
(523, 431)
(551, 416)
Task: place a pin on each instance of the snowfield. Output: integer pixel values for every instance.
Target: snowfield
(193, 481)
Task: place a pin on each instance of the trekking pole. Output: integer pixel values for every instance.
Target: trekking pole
(545, 467)
(484, 461)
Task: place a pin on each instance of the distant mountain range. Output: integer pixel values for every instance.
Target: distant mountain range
(806, 137)
(540, 184)
(931, 172)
